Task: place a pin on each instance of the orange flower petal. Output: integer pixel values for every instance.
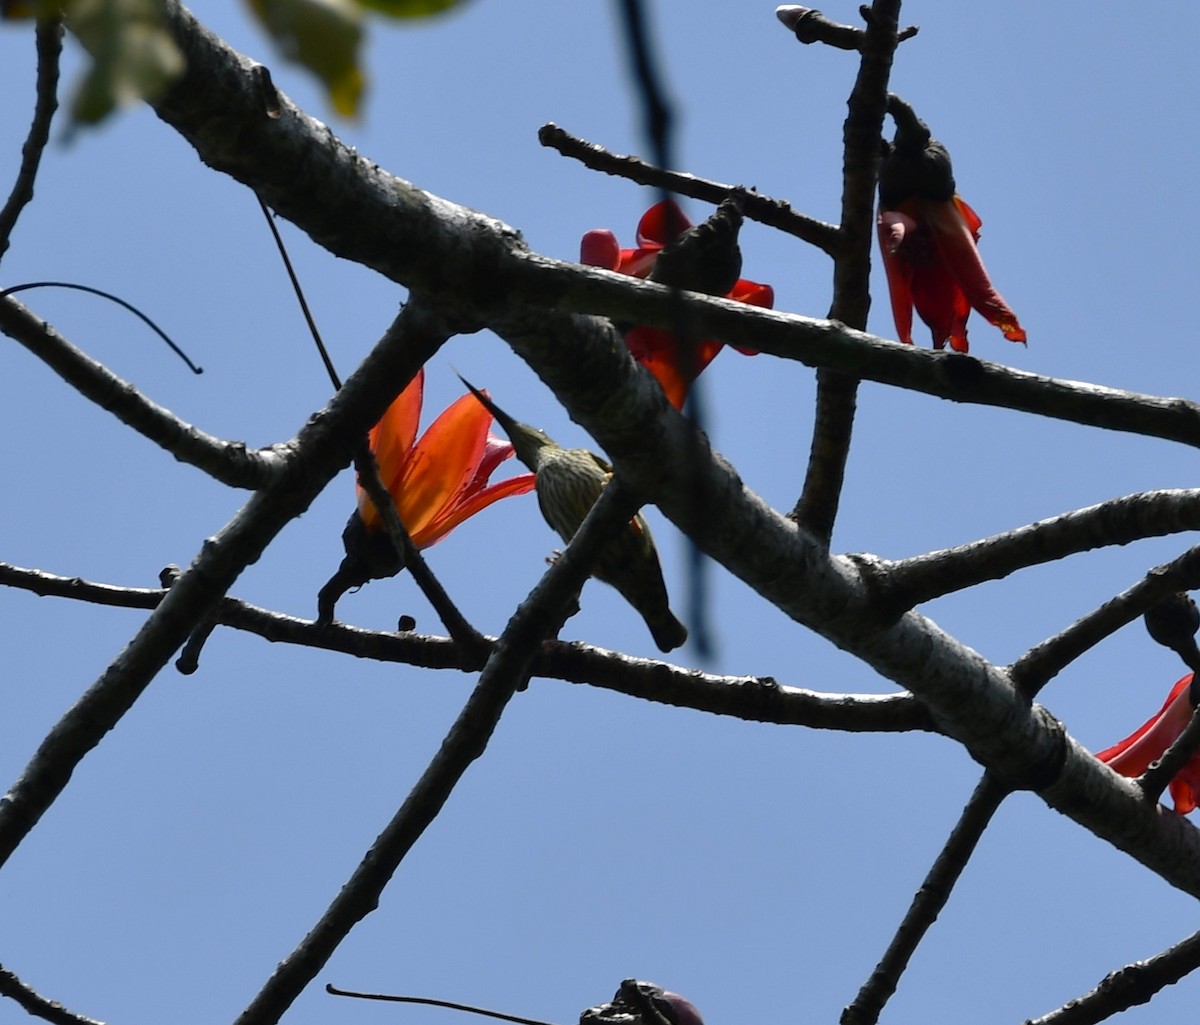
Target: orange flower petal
(453, 515)
(442, 463)
(391, 442)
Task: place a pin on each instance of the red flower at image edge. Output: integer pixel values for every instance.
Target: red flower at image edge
(932, 263)
(1133, 755)
(658, 350)
(442, 479)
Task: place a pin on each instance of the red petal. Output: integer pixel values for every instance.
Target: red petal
(1133, 755)
(599, 248)
(658, 351)
(637, 263)
(753, 294)
(899, 279)
(1185, 787)
(661, 223)
(955, 226)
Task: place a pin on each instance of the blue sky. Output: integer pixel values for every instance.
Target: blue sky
(759, 870)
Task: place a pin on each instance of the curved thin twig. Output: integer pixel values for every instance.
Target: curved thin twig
(166, 338)
(226, 461)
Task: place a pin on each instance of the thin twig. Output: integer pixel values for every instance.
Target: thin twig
(928, 902)
(194, 368)
(470, 639)
(49, 48)
(507, 671)
(775, 213)
(299, 293)
(452, 1005)
(751, 698)
(1127, 987)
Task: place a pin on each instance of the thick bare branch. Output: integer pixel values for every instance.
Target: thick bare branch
(357, 211)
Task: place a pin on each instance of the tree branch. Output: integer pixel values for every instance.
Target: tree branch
(321, 449)
(363, 212)
(49, 48)
(1127, 987)
(751, 698)
(229, 462)
(928, 903)
(811, 26)
(909, 582)
(1042, 663)
(837, 393)
(507, 671)
(775, 213)
(36, 1004)
(356, 210)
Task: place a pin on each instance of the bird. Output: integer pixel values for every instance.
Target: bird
(568, 483)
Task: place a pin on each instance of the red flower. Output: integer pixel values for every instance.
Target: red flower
(928, 235)
(932, 263)
(657, 350)
(1133, 755)
(441, 480)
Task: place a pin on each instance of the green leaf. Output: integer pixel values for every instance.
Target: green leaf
(410, 8)
(133, 54)
(324, 36)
